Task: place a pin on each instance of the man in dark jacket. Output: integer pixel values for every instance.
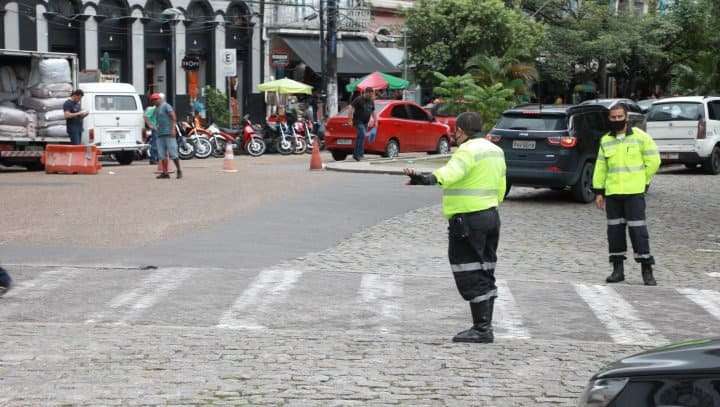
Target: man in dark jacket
(362, 109)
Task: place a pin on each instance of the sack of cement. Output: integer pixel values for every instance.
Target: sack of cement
(51, 90)
(42, 124)
(8, 80)
(42, 105)
(32, 117)
(54, 131)
(13, 117)
(51, 116)
(22, 72)
(54, 71)
(13, 131)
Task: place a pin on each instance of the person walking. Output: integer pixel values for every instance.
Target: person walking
(74, 116)
(474, 185)
(151, 124)
(626, 163)
(167, 131)
(362, 109)
(5, 281)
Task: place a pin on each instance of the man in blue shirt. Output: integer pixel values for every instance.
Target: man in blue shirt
(74, 117)
(167, 146)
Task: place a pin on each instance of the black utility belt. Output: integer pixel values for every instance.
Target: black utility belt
(459, 227)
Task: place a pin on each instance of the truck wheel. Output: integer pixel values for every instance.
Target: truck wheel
(339, 155)
(711, 165)
(125, 157)
(582, 190)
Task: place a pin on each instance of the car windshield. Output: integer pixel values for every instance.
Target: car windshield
(532, 122)
(379, 106)
(115, 103)
(675, 111)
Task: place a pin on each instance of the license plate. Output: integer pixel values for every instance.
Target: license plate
(523, 144)
(669, 156)
(344, 141)
(118, 136)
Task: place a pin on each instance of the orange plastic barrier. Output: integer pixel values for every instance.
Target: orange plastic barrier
(70, 159)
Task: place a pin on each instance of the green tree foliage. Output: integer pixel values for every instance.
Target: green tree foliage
(462, 94)
(217, 106)
(444, 35)
(513, 74)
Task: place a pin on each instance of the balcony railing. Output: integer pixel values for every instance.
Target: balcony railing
(305, 17)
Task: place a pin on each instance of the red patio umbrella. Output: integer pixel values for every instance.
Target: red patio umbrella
(375, 80)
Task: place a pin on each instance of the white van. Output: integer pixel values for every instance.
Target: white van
(115, 123)
(687, 130)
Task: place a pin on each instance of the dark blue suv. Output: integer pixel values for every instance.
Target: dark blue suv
(552, 146)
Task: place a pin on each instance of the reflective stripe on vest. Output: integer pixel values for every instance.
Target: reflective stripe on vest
(471, 192)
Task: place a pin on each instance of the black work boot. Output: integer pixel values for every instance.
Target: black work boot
(618, 273)
(647, 274)
(481, 331)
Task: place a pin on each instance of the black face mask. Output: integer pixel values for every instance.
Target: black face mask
(617, 126)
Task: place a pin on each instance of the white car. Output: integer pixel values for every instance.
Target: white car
(687, 130)
(115, 123)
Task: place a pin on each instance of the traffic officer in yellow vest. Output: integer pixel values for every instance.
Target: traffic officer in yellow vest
(627, 161)
(473, 184)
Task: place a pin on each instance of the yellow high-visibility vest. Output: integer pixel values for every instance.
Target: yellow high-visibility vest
(625, 167)
(473, 179)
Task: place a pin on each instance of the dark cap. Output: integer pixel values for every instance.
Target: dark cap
(470, 122)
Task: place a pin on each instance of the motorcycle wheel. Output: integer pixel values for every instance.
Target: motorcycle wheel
(313, 140)
(203, 148)
(219, 145)
(301, 146)
(255, 147)
(284, 147)
(186, 151)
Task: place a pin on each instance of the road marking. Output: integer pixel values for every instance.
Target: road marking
(507, 314)
(709, 300)
(43, 283)
(270, 286)
(131, 304)
(619, 317)
(381, 294)
(707, 250)
(713, 274)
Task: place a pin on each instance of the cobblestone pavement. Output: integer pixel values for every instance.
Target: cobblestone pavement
(368, 320)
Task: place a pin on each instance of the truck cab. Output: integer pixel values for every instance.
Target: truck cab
(115, 123)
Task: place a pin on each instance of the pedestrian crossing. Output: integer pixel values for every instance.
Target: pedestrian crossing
(285, 298)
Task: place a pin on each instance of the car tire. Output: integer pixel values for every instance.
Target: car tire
(339, 155)
(443, 146)
(582, 191)
(711, 165)
(392, 149)
(508, 186)
(125, 157)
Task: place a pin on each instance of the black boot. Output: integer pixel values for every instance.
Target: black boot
(481, 331)
(618, 273)
(647, 274)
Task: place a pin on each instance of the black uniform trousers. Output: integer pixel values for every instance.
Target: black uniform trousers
(472, 250)
(622, 211)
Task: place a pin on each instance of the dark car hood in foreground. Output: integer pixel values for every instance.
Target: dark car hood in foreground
(689, 357)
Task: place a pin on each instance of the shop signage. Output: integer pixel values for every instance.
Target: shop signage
(190, 63)
(229, 62)
(279, 58)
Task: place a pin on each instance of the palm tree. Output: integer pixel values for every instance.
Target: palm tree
(699, 77)
(489, 70)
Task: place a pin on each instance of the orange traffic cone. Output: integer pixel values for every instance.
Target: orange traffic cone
(229, 160)
(315, 160)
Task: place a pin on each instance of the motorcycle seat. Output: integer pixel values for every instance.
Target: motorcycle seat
(233, 132)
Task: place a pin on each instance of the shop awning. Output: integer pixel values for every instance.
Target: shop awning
(359, 55)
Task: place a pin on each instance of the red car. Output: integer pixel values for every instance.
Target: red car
(402, 126)
(441, 114)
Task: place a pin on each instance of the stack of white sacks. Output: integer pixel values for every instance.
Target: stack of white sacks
(31, 101)
(49, 86)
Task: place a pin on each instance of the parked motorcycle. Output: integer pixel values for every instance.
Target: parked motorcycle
(281, 136)
(304, 128)
(196, 137)
(251, 142)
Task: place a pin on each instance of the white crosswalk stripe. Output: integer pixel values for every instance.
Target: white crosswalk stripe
(131, 304)
(270, 287)
(44, 283)
(507, 319)
(381, 294)
(709, 300)
(619, 317)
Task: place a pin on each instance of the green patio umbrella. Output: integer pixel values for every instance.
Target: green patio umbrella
(378, 80)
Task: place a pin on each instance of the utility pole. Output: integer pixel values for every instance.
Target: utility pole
(331, 71)
(323, 71)
(405, 58)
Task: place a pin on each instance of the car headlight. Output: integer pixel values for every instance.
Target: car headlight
(601, 392)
